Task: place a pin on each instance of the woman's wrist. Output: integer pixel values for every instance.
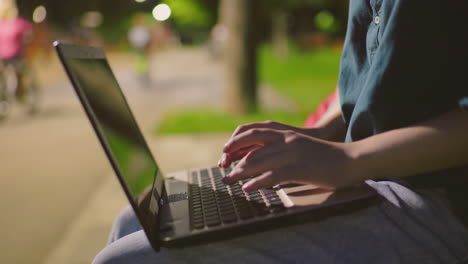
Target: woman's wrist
(358, 169)
(313, 132)
(332, 131)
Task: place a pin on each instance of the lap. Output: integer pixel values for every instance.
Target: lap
(406, 227)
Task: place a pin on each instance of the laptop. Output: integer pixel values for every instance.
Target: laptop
(185, 207)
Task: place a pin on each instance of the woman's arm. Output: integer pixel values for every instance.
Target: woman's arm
(432, 145)
(330, 127)
(287, 156)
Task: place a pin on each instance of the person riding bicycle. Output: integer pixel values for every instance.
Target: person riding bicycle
(14, 31)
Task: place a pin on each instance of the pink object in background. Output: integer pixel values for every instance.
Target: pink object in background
(314, 117)
(12, 33)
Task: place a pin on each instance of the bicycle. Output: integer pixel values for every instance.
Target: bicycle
(17, 84)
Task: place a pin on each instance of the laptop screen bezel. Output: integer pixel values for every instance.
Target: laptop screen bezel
(150, 223)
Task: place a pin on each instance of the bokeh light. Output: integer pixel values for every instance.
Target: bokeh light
(325, 21)
(140, 1)
(39, 14)
(162, 12)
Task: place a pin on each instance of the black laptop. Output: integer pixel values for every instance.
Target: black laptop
(189, 206)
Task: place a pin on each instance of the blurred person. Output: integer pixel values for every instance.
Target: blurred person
(139, 37)
(398, 124)
(41, 45)
(14, 33)
(161, 37)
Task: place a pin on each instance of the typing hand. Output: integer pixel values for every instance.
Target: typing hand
(275, 156)
(228, 158)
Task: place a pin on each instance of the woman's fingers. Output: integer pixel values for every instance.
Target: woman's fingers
(227, 159)
(257, 162)
(251, 138)
(248, 137)
(265, 124)
(267, 179)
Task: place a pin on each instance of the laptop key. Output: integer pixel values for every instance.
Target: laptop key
(216, 172)
(207, 197)
(198, 225)
(220, 185)
(240, 200)
(212, 215)
(276, 209)
(211, 211)
(276, 202)
(227, 170)
(198, 218)
(197, 221)
(226, 206)
(213, 222)
(205, 192)
(223, 195)
(209, 202)
(204, 173)
(225, 203)
(259, 208)
(230, 211)
(195, 177)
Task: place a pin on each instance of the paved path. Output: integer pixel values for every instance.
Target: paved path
(90, 229)
(58, 194)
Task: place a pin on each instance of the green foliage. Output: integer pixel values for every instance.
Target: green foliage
(325, 21)
(305, 77)
(108, 32)
(291, 4)
(209, 120)
(190, 12)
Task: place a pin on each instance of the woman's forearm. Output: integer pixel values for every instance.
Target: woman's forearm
(332, 126)
(429, 146)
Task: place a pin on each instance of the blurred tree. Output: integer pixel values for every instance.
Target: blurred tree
(280, 10)
(239, 18)
(192, 12)
(193, 19)
(66, 15)
(325, 21)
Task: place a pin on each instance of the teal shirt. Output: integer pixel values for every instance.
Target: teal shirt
(404, 62)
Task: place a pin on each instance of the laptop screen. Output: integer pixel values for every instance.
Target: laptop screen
(109, 112)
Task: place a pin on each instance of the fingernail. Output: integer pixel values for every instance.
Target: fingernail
(248, 186)
(226, 146)
(222, 161)
(227, 179)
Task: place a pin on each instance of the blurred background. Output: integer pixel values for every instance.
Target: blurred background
(192, 70)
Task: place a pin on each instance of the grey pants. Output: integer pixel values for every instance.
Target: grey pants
(406, 227)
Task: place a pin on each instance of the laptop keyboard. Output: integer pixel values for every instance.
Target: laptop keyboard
(212, 203)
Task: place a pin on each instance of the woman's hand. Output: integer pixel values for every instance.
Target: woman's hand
(283, 155)
(228, 158)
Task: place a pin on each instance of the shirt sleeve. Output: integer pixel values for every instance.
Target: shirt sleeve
(421, 65)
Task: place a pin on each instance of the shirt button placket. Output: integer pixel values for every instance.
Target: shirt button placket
(373, 32)
(377, 20)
